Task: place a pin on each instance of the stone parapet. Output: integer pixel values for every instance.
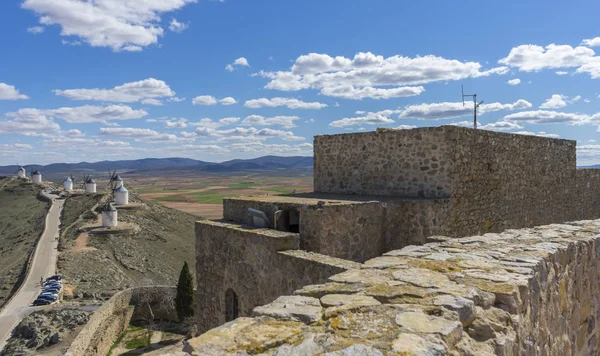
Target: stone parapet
(532, 291)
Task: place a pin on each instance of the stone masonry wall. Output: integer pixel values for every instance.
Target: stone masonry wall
(532, 291)
(251, 262)
(587, 203)
(111, 319)
(503, 181)
(408, 163)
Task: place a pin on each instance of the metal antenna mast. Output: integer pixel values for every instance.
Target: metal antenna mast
(475, 105)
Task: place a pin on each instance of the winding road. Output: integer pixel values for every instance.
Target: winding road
(43, 265)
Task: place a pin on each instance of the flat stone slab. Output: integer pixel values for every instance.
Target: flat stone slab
(295, 308)
(419, 322)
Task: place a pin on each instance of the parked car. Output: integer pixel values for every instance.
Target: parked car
(55, 284)
(41, 301)
(51, 290)
(52, 294)
(48, 297)
(56, 277)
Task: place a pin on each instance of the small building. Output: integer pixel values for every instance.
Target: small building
(118, 181)
(21, 173)
(90, 186)
(68, 184)
(109, 215)
(36, 177)
(121, 196)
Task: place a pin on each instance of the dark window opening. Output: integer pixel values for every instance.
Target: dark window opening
(231, 305)
(287, 220)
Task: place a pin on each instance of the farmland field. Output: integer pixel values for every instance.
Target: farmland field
(202, 195)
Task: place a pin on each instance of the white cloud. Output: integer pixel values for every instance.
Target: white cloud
(586, 100)
(500, 126)
(259, 147)
(82, 114)
(591, 42)
(283, 121)
(591, 140)
(448, 110)
(405, 127)
(210, 124)
(204, 100)
(287, 102)
(15, 146)
(228, 101)
(176, 123)
(554, 102)
(9, 92)
(138, 134)
(360, 76)
(370, 118)
(35, 30)
(176, 99)
(530, 58)
(548, 117)
(561, 72)
(515, 81)
(240, 62)
(74, 133)
(574, 99)
(154, 102)
(117, 24)
(127, 93)
(350, 92)
(28, 123)
(176, 26)
(243, 134)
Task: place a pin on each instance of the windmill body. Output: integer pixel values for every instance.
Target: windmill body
(90, 186)
(109, 216)
(36, 177)
(121, 195)
(118, 182)
(21, 173)
(68, 184)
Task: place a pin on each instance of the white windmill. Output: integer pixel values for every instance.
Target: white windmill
(109, 216)
(21, 173)
(36, 177)
(68, 183)
(90, 185)
(121, 195)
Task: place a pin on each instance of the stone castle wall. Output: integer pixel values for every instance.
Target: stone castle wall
(113, 317)
(252, 263)
(408, 163)
(494, 181)
(532, 291)
(503, 181)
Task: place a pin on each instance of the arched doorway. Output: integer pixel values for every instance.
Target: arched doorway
(231, 305)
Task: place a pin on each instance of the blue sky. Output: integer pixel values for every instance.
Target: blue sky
(216, 80)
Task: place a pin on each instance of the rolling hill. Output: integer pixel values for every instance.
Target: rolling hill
(57, 171)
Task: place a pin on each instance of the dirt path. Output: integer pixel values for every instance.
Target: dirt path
(43, 265)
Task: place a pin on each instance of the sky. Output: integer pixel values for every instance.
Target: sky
(213, 80)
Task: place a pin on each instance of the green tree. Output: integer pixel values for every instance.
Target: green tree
(184, 300)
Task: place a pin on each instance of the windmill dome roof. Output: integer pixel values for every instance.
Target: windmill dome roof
(90, 181)
(68, 179)
(21, 169)
(37, 173)
(118, 178)
(121, 189)
(109, 207)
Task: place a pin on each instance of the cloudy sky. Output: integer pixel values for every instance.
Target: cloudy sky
(88, 80)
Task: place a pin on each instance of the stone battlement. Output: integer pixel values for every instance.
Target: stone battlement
(529, 291)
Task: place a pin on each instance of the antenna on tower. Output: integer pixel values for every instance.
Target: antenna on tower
(475, 105)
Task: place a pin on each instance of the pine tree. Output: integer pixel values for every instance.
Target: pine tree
(184, 300)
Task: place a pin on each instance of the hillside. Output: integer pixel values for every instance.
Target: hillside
(57, 171)
(21, 224)
(100, 264)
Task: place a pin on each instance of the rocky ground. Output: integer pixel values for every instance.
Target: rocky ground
(96, 265)
(21, 224)
(47, 332)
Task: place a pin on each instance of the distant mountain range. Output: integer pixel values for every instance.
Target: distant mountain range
(57, 171)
